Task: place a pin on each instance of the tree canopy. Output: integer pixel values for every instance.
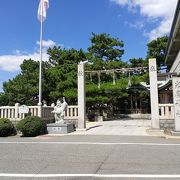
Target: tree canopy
(137, 62)
(24, 87)
(105, 47)
(157, 49)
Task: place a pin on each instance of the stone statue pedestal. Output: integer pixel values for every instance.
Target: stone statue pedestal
(58, 128)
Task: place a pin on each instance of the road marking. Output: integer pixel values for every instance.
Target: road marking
(91, 143)
(93, 175)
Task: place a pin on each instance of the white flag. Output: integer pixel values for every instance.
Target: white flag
(43, 6)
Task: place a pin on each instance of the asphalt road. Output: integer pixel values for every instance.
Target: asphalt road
(89, 157)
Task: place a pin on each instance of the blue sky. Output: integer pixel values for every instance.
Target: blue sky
(70, 23)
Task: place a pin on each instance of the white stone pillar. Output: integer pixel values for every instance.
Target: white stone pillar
(16, 110)
(176, 99)
(39, 110)
(81, 97)
(154, 94)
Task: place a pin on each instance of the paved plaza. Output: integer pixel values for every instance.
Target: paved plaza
(118, 127)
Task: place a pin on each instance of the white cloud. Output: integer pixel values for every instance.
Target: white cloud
(46, 44)
(121, 2)
(11, 62)
(136, 25)
(161, 30)
(163, 10)
(156, 8)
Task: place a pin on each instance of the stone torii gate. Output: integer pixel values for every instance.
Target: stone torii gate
(81, 89)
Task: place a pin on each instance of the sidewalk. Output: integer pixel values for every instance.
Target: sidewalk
(117, 127)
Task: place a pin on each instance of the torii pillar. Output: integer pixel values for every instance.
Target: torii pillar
(154, 94)
(81, 97)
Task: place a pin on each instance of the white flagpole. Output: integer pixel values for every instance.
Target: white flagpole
(40, 62)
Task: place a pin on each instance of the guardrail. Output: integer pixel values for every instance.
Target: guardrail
(12, 112)
(166, 111)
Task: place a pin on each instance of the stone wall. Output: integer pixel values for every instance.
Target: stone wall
(167, 124)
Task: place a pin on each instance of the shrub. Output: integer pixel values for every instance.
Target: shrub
(6, 127)
(31, 126)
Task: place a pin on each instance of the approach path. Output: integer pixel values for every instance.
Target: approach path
(118, 127)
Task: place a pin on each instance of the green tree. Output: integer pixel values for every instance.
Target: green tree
(3, 99)
(157, 49)
(137, 62)
(105, 52)
(24, 87)
(104, 47)
(62, 74)
(105, 97)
